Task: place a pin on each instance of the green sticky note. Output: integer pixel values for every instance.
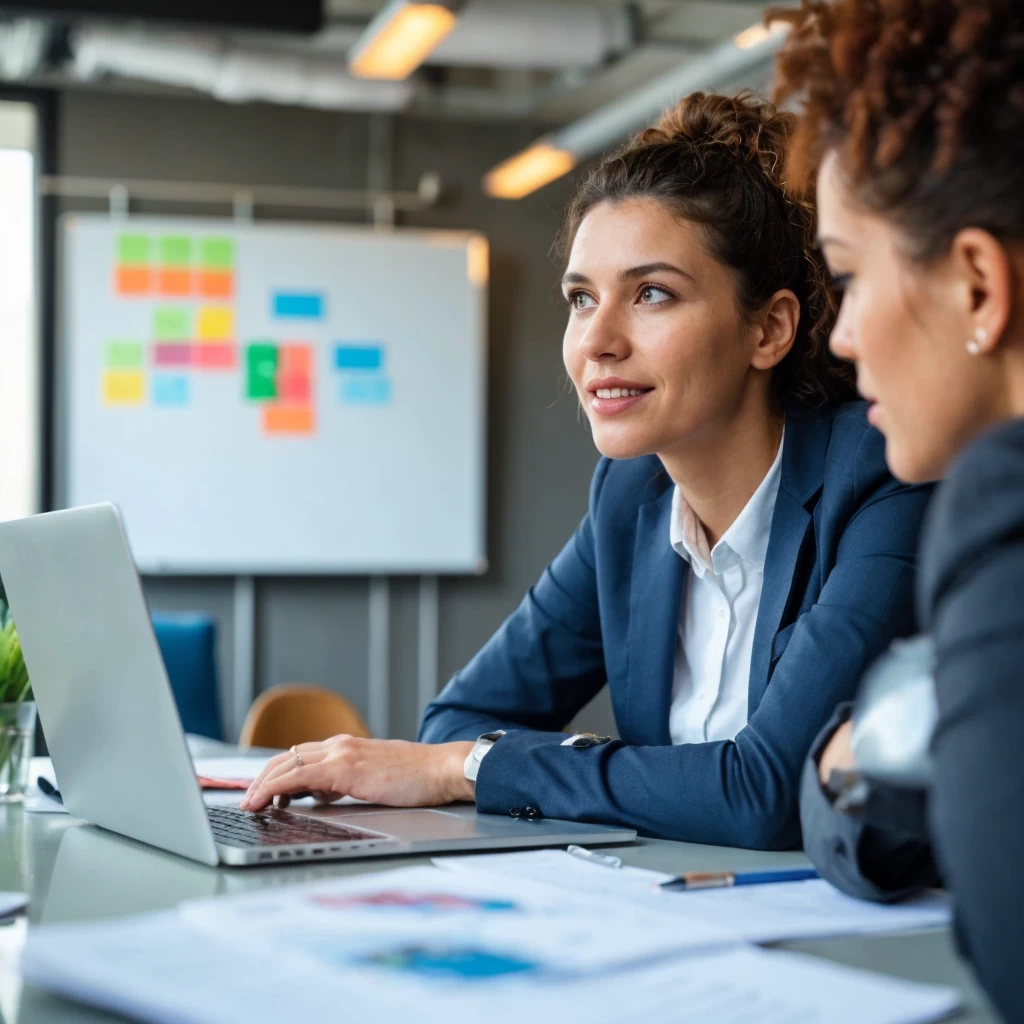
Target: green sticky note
(217, 253)
(124, 355)
(172, 325)
(133, 250)
(261, 366)
(175, 251)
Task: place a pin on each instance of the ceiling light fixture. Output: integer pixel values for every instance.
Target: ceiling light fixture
(528, 171)
(400, 38)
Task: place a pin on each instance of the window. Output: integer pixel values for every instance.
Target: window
(19, 322)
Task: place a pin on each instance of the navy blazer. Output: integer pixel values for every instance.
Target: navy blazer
(838, 587)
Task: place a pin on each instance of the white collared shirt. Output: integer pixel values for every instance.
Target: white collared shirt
(715, 639)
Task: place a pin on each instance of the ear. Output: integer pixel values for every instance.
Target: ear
(986, 276)
(777, 322)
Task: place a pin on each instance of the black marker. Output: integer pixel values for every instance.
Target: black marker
(49, 788)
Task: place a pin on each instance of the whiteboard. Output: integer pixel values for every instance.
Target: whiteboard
(277, 398)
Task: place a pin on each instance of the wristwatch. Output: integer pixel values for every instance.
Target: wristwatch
(471, 766)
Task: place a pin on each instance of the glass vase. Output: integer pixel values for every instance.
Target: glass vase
(17, 743)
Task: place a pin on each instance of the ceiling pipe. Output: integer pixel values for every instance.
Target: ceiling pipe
(556, 154)
(231, 73)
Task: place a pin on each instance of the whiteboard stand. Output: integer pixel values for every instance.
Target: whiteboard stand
(244, 646)
(427, 660)
(379, 657)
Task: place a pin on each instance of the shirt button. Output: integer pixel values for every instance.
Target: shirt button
(721, 613)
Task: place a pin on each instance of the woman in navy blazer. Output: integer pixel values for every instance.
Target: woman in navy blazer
(697, 341)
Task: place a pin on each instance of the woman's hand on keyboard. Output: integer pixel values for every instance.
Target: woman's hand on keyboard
(391, 772)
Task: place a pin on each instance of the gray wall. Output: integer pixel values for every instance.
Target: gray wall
(540, 455)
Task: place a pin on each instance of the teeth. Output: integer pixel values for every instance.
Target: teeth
(618, 392)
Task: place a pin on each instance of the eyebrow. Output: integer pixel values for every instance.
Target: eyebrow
(631, 272)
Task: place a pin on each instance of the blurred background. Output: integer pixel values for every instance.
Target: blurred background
(475, 117)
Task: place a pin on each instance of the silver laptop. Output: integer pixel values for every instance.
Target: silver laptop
(118, 749)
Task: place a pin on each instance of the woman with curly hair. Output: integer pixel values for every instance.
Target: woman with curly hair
(746, 553)
(914, 125)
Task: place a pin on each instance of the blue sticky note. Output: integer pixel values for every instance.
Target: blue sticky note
(370, 390)
(307, 305)
(170, 389)
(359, 357)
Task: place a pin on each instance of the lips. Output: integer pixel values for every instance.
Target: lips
(613, 395)
(620, 384)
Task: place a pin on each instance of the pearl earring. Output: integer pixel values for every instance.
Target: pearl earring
(975, 343)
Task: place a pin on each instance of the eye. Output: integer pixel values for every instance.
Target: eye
(653, 295)
(839, 283)
(579, 300)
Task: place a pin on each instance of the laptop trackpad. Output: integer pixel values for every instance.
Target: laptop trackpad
(412, 823)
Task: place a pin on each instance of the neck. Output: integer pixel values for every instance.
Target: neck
(719, 469)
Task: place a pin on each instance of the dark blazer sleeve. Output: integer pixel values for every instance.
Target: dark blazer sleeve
(546, 661)
(972, 592)
(883, 852)
(742, 792)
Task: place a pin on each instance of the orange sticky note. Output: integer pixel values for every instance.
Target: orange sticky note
(286, 419)
(174, 282)
(133, 281)
(216, 284)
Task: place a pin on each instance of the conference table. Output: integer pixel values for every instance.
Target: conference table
(76, 872)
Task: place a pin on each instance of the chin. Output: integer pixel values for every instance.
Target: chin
(619, 447)
(910, 466)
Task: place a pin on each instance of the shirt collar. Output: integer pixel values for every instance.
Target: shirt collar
(747, 537)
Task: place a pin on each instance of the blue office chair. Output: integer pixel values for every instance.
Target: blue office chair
(188, 643)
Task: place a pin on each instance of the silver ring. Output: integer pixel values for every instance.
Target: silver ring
(298, 756)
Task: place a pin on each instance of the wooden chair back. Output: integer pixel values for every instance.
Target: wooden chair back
(299, 713)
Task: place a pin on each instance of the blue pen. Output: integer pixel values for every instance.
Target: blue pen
(726, 879)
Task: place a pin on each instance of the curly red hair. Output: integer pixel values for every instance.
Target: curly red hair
(922, 100)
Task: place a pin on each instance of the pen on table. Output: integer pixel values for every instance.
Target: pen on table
(604, 859)
(725, 879)
(47, 787)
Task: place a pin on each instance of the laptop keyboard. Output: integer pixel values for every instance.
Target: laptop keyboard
(274, 827)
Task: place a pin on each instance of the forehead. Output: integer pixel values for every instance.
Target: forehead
(839, 217)
(633, 231)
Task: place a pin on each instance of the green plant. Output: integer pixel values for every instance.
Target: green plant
(14, 682)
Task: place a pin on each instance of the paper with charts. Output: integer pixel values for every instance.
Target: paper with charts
(422, 944)
(273, 397)
(749, 913)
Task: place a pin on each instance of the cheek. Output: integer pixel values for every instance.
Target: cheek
(571, 355)
(691, 348)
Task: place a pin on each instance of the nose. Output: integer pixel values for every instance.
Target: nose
(604, 338)
(842, 340)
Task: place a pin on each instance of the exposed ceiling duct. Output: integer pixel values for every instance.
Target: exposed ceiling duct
(537, 34)
(232, 73)
(531, 34)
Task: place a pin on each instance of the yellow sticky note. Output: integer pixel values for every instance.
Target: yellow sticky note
(216, 323)
(123, 388)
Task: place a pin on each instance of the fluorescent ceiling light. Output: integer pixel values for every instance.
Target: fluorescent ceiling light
(400, 38)
(557, 154)
(757, 34)
(527, 171)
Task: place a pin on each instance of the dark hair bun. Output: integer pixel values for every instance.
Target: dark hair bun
(744, 127)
